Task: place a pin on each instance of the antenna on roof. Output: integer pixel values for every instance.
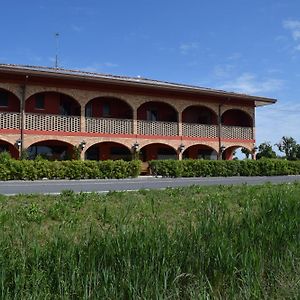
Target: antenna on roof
(56, 54)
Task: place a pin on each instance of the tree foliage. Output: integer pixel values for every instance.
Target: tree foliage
(265, 150)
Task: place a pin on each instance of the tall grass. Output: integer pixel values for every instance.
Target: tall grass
(188, 243)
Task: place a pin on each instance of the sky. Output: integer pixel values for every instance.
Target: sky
(245, 46)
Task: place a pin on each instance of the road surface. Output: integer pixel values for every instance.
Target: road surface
(106, 185)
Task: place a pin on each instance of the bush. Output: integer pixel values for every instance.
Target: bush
(12, 169)
(204, 168)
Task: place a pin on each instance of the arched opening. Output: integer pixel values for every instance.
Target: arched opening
(11, 149)
(199, 115)
(200, 152)
(157, 111)
(236, 117)
(52, 103)
(9, 102)
(157, 151)
(236, 152)
(51, 150)
(108, 107)
(108, 150)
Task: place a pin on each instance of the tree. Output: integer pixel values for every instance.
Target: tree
(246, 152)
(265, 150)
(289, 146)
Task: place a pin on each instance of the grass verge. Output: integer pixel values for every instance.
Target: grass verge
(240, 242)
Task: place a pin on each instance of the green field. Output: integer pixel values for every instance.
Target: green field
(239, 242)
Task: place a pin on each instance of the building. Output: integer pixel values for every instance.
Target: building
(51, 112)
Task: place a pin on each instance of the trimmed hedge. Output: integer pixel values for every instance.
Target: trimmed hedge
(11, 169)
(204, 168)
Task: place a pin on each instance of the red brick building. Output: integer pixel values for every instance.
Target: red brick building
(50, 111)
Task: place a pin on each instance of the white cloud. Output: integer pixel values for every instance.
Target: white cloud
(249, 84)
(294, 27)
(278, 120)
(235, 56)
(185, 48)
(223, 71)
(77, 28)
(99, 67)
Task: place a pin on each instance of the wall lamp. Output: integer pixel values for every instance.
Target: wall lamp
(82, 145)
(181, 148)
(222, 149)
(19, 143)
(135, 146)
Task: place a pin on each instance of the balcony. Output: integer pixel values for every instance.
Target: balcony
(157, 128)
(9, 120)
(44, 122)
(112, 126)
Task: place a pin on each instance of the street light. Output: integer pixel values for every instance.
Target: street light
(181, 147)
(82, 145)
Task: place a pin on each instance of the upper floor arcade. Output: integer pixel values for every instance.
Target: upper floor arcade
(38, 100)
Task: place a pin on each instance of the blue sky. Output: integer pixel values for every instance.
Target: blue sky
(237, 45)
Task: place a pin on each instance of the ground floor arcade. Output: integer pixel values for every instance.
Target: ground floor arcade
(100, 147)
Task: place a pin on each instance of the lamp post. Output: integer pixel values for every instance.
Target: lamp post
(222, 149)
(135, 148)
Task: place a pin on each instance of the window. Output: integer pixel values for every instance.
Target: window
(3, 99)
(152, 115)
(106, 110)
(65, 108)
(89, 110)
(40, 101)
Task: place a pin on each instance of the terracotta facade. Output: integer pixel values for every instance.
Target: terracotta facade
(156, 120)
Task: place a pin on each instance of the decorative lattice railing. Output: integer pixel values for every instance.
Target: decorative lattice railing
(113, 126)
(234, 132)
(200, 130)
(157, 128)
(52, 122)
(9, 120)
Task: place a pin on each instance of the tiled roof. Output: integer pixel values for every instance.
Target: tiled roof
(134, 80)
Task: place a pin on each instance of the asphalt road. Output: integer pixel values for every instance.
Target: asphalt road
(106, 185)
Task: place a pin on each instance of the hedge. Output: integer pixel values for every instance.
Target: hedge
(204, 168)
(11, 169)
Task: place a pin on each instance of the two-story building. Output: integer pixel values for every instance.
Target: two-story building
(50, 111)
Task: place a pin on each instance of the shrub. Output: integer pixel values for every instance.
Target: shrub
(204, 168)
(40, 168)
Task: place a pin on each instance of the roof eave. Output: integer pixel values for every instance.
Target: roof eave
(259, 101)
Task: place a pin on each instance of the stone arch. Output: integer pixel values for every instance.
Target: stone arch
(108, 150)
(236, 117)
(109, 107)
(10, 148)
(156, 111)
(32, 90)
(51, 149)
(14, 89)
(200, 151)
(199, 114)
(52, 102)
(229, 151)
(120, 97)
(153, 151)
(211, 106)
(11, 102)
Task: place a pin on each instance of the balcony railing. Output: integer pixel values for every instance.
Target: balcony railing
(43, 122)
(52, 123)
(9, 120)
(235, 132)
(113, 126)
(200, 130)
(157, 128)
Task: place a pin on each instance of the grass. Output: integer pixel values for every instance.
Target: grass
(240, 242)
